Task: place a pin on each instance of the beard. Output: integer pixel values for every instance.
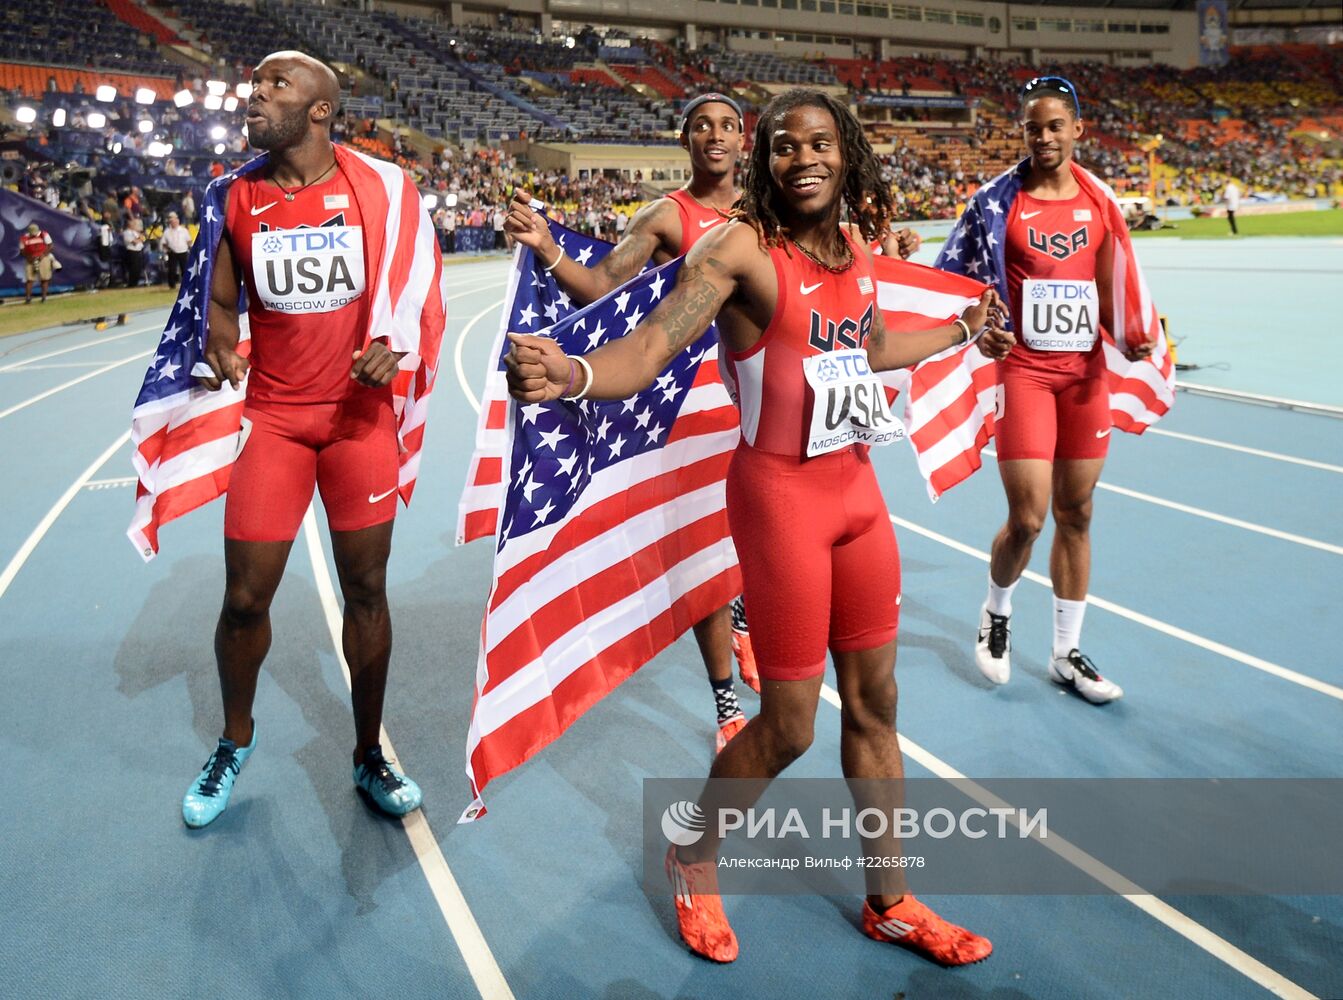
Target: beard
(279, 134)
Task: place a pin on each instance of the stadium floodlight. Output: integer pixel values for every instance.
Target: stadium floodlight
(96, 119)
(450, 200)
(143, 95)
(213, 102)
(58, 118)
(218, 88)
(429, 201)
(230, 104)
(569, 42)
(218, 132)
(146, 126)
(159, 149)
(106, 93)
(116, 148)
(219, 149)
(182, 98)
(243, 90)
(26, 115)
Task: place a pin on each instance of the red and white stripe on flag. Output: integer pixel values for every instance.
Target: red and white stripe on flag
(949, 399)
(578, 606)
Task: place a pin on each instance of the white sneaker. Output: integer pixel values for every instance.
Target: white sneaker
(1077, 671)
(994, 645)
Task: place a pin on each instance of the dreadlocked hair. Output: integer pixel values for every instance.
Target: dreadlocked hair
(865, 193)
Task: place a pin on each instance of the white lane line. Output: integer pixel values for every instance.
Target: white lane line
(1138, 617)
(80, 347)
(1276, 456)
(1234, 522)
(1194, 932)
(44, 525)
(457, 353)
(480, 961)
(73, 382)
(1321, 409)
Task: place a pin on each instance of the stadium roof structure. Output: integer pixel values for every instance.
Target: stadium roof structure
(1189, 4)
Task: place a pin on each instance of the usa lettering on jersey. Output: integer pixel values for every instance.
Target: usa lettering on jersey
(1060, 246)
(827, 335)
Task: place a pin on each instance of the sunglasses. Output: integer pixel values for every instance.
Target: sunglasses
(1053, 84)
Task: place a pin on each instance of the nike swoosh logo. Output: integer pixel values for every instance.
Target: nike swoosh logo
(808, 289)
(1031, 215)
(258, 211)
(1101, 434)
(705, 224)
(381, 496)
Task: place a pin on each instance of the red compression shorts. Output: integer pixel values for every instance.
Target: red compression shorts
(819, 564)
(1055, 416)
(347, 449)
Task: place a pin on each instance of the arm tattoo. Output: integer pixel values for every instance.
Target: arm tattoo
(696, 298)
(622, 263)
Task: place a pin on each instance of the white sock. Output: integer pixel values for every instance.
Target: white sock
(1000, 598)
(1067, 625)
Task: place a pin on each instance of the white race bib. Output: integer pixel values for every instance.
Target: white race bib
(848, 403)
(1059, 315)
(313, 270)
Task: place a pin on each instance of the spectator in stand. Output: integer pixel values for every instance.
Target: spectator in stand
(38, 261)
(176, 244)
(133, 243)
(497, 221)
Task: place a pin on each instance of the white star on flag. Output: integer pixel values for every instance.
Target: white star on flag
(527, 316)
(633, 319)
(552, 438)
(622, 300)
(543, 513)
(584, 256)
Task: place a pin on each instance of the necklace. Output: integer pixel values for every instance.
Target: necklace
(289, 195)
(832, 268)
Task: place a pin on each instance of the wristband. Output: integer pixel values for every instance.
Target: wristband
(573, 373)
(550, 267)
(587, 384)
(966, 328)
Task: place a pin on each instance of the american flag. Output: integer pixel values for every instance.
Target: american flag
(949, 399)
(186, 437)
(1141, 392)
(613, 537)
(534, 300)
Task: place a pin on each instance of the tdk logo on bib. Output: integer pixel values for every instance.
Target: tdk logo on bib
(308, 270)
(1059, 315)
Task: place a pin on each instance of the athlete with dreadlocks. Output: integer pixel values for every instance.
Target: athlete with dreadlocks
(794, 297)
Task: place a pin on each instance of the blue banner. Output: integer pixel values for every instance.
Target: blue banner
(74, 244)
(1214, 33)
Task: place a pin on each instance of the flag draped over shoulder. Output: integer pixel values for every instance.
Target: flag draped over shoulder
(1141, 392)
(948, 399)
(612, 524)
(186, 437)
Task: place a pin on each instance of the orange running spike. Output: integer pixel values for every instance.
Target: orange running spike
(699, 910)
(728, 729)
(912, 925)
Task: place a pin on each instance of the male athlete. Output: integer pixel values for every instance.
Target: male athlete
(794, 297)
(711, 132)
(319, 407)
(1053, 430)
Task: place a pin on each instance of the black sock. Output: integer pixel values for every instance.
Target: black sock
(726, 699)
